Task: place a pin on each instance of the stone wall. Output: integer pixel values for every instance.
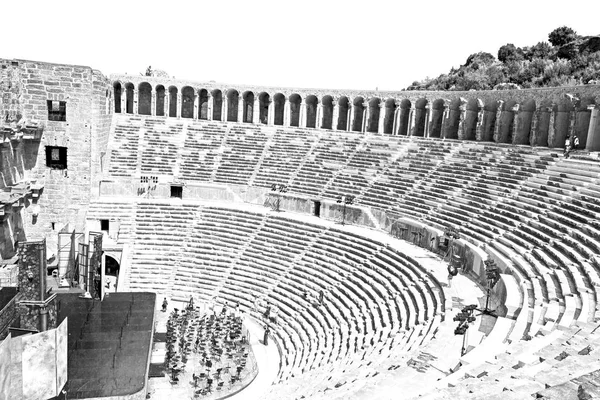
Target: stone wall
(84, 133)
(8, 313)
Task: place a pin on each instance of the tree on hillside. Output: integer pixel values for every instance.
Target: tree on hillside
(477, 60)
(509, 52)
(540, 50)
(561, 36)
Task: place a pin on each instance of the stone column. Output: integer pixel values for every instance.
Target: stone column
(497, 123)
(593, 137)
(167, 104)
(516, 139)
(572, 119)
(427, 120)
(256, 111)
(302, 118)
(335, 114)
(196, 111)
(319, 119)
(286, 112)
(153, 103)
(366, 114)
(444, 120)
(224, 106)
(395, 118)
(271, 113)
(534, 126)
(178, 112)
(411, 121)
(123, 100)
(241, 106)
(350, 119)
(461, 121)
(551, 126)
(209, 106)
(479, 124)
(135, 101)
(381, 122)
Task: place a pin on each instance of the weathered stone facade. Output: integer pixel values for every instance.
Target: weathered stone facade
(27, 87)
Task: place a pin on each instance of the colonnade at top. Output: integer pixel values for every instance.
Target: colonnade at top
(501, 121)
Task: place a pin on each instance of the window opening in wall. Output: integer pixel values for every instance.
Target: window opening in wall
(57, 110)
(53, 225)
(177, 191)
(317, 208)
(104, 225)
(56, 157)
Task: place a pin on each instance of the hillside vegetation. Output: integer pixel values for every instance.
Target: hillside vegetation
(567, 59)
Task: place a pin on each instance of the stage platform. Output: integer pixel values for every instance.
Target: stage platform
(109, 344)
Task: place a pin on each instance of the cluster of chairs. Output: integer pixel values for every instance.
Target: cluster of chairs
(213, 346)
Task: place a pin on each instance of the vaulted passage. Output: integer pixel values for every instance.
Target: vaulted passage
(373, 122)
(118, 93)
(311, 112)
(248, 107)
(217, 96)
(279, 107)
(263, 103)
(437, 117)
(403, 120)
(172, 101)
(203, 101)
(327, 112)
(453, 120)
(359, 112)
(160, 100)
(420, 123)
(343, 116)
(232, 105)
(470, 122)
(295, 101)
(129, 98)
(390, 112)
(187, 102)
(144, 98)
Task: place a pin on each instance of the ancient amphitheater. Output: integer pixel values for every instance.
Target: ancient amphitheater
(184, 178)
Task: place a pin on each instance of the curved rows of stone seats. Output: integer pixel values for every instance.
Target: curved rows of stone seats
(374, 297)
(527, 207)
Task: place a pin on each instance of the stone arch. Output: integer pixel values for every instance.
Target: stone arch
(172, 101)
(233, 98)
(373, 122)
(525, 120)
(582, 120)
(488, 124)
(471, 118)
(144, 99)
(160, 101)
(248, 104)
(118, 92)
(420, 117)
(129, 98)
(187, 102)
(562, 123)
(359, 112)
(543, 124)
(311, 111)
(453, 120)
(505, 133)
(295, 101)
(327, 122)
(390, 113)
(437, 118)
(263, 108)
(344, 106)
(111, 265)
(403, 121)
(279, 109)
(217, 111)
(203, 104)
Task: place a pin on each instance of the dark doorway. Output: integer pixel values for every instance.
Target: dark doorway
(317, 208)
(111, 266)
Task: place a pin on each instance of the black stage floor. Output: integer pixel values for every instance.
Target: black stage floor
(109, 343)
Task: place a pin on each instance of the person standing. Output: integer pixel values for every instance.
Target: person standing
(266, 336)
(165, 303)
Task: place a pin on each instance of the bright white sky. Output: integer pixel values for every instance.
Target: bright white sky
(304, 43)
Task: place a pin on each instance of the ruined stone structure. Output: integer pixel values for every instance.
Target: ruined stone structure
(173, 172)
